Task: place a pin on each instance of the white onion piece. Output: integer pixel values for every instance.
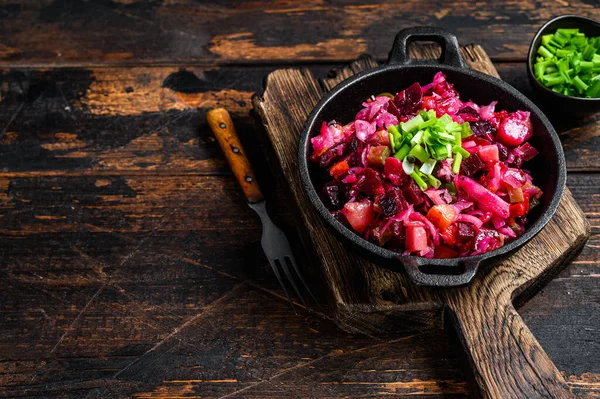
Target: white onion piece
(408, 167)
(427, 167)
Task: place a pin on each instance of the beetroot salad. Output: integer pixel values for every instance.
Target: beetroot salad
(424, 173)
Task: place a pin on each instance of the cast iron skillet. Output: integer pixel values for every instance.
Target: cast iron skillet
(344, 101)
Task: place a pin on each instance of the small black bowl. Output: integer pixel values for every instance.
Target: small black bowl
(341, 103)
(568, 104)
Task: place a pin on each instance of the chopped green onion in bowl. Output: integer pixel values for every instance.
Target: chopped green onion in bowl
(568, 63)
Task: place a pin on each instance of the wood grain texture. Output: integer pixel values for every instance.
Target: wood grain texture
(54, 32)
(130, 265)
(222, 127)
(524, 370)
(153, 119)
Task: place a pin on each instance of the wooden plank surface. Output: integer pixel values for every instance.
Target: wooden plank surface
(130, 265)
(160, 109)
(35, 32)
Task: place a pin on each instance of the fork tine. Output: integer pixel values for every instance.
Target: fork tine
(293, 262)
(290, 278)
(278, 275)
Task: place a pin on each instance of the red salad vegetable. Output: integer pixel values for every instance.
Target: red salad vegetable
(424, 173)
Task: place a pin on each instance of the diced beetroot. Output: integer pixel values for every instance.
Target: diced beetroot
(409, 100)
(515, 162)
(529, 152)
(428, 102)
(369, 182)
(468, 114)
(465, 232)
(471, 165)
(390, 203)
(381, 137)
(481, 141)
(377, 156)
(449, 105)
(416, 238)
(393, 166)
(333, 155)
(502, 152)
(488, 153)
(359, 214)
(392, 109)
(413, 193)
(387, 205)
(482, 128)
(393, 171)
(498, 117)
(515, 129)
(331, 196)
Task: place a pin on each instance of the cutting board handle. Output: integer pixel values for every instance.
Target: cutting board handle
(506, 359)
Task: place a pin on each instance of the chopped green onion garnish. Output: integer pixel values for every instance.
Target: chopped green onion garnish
(546, 39)
(459, 150)
(594, 90)
(458, 138)
(427, 167)
(403, 152)
(419, 153)
(417, 138)
(579, 84)
(568, 62)
(424, 140)
(545, 52)
(441, 151)
(456, 163)
(433, 181)
(413, 124)
(451, 188)
(422, 185)
(466, 130)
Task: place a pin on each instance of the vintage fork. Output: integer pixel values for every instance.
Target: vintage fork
(274, 242)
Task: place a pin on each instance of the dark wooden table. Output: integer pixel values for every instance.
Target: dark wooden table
(131, 266)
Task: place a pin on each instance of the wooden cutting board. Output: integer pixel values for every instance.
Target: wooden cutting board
(506, 359)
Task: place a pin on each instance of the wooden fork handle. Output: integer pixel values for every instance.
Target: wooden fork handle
(222, 127)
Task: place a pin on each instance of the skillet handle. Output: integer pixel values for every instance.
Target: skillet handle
(413, 267)
(447, 41)
(505, 358)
